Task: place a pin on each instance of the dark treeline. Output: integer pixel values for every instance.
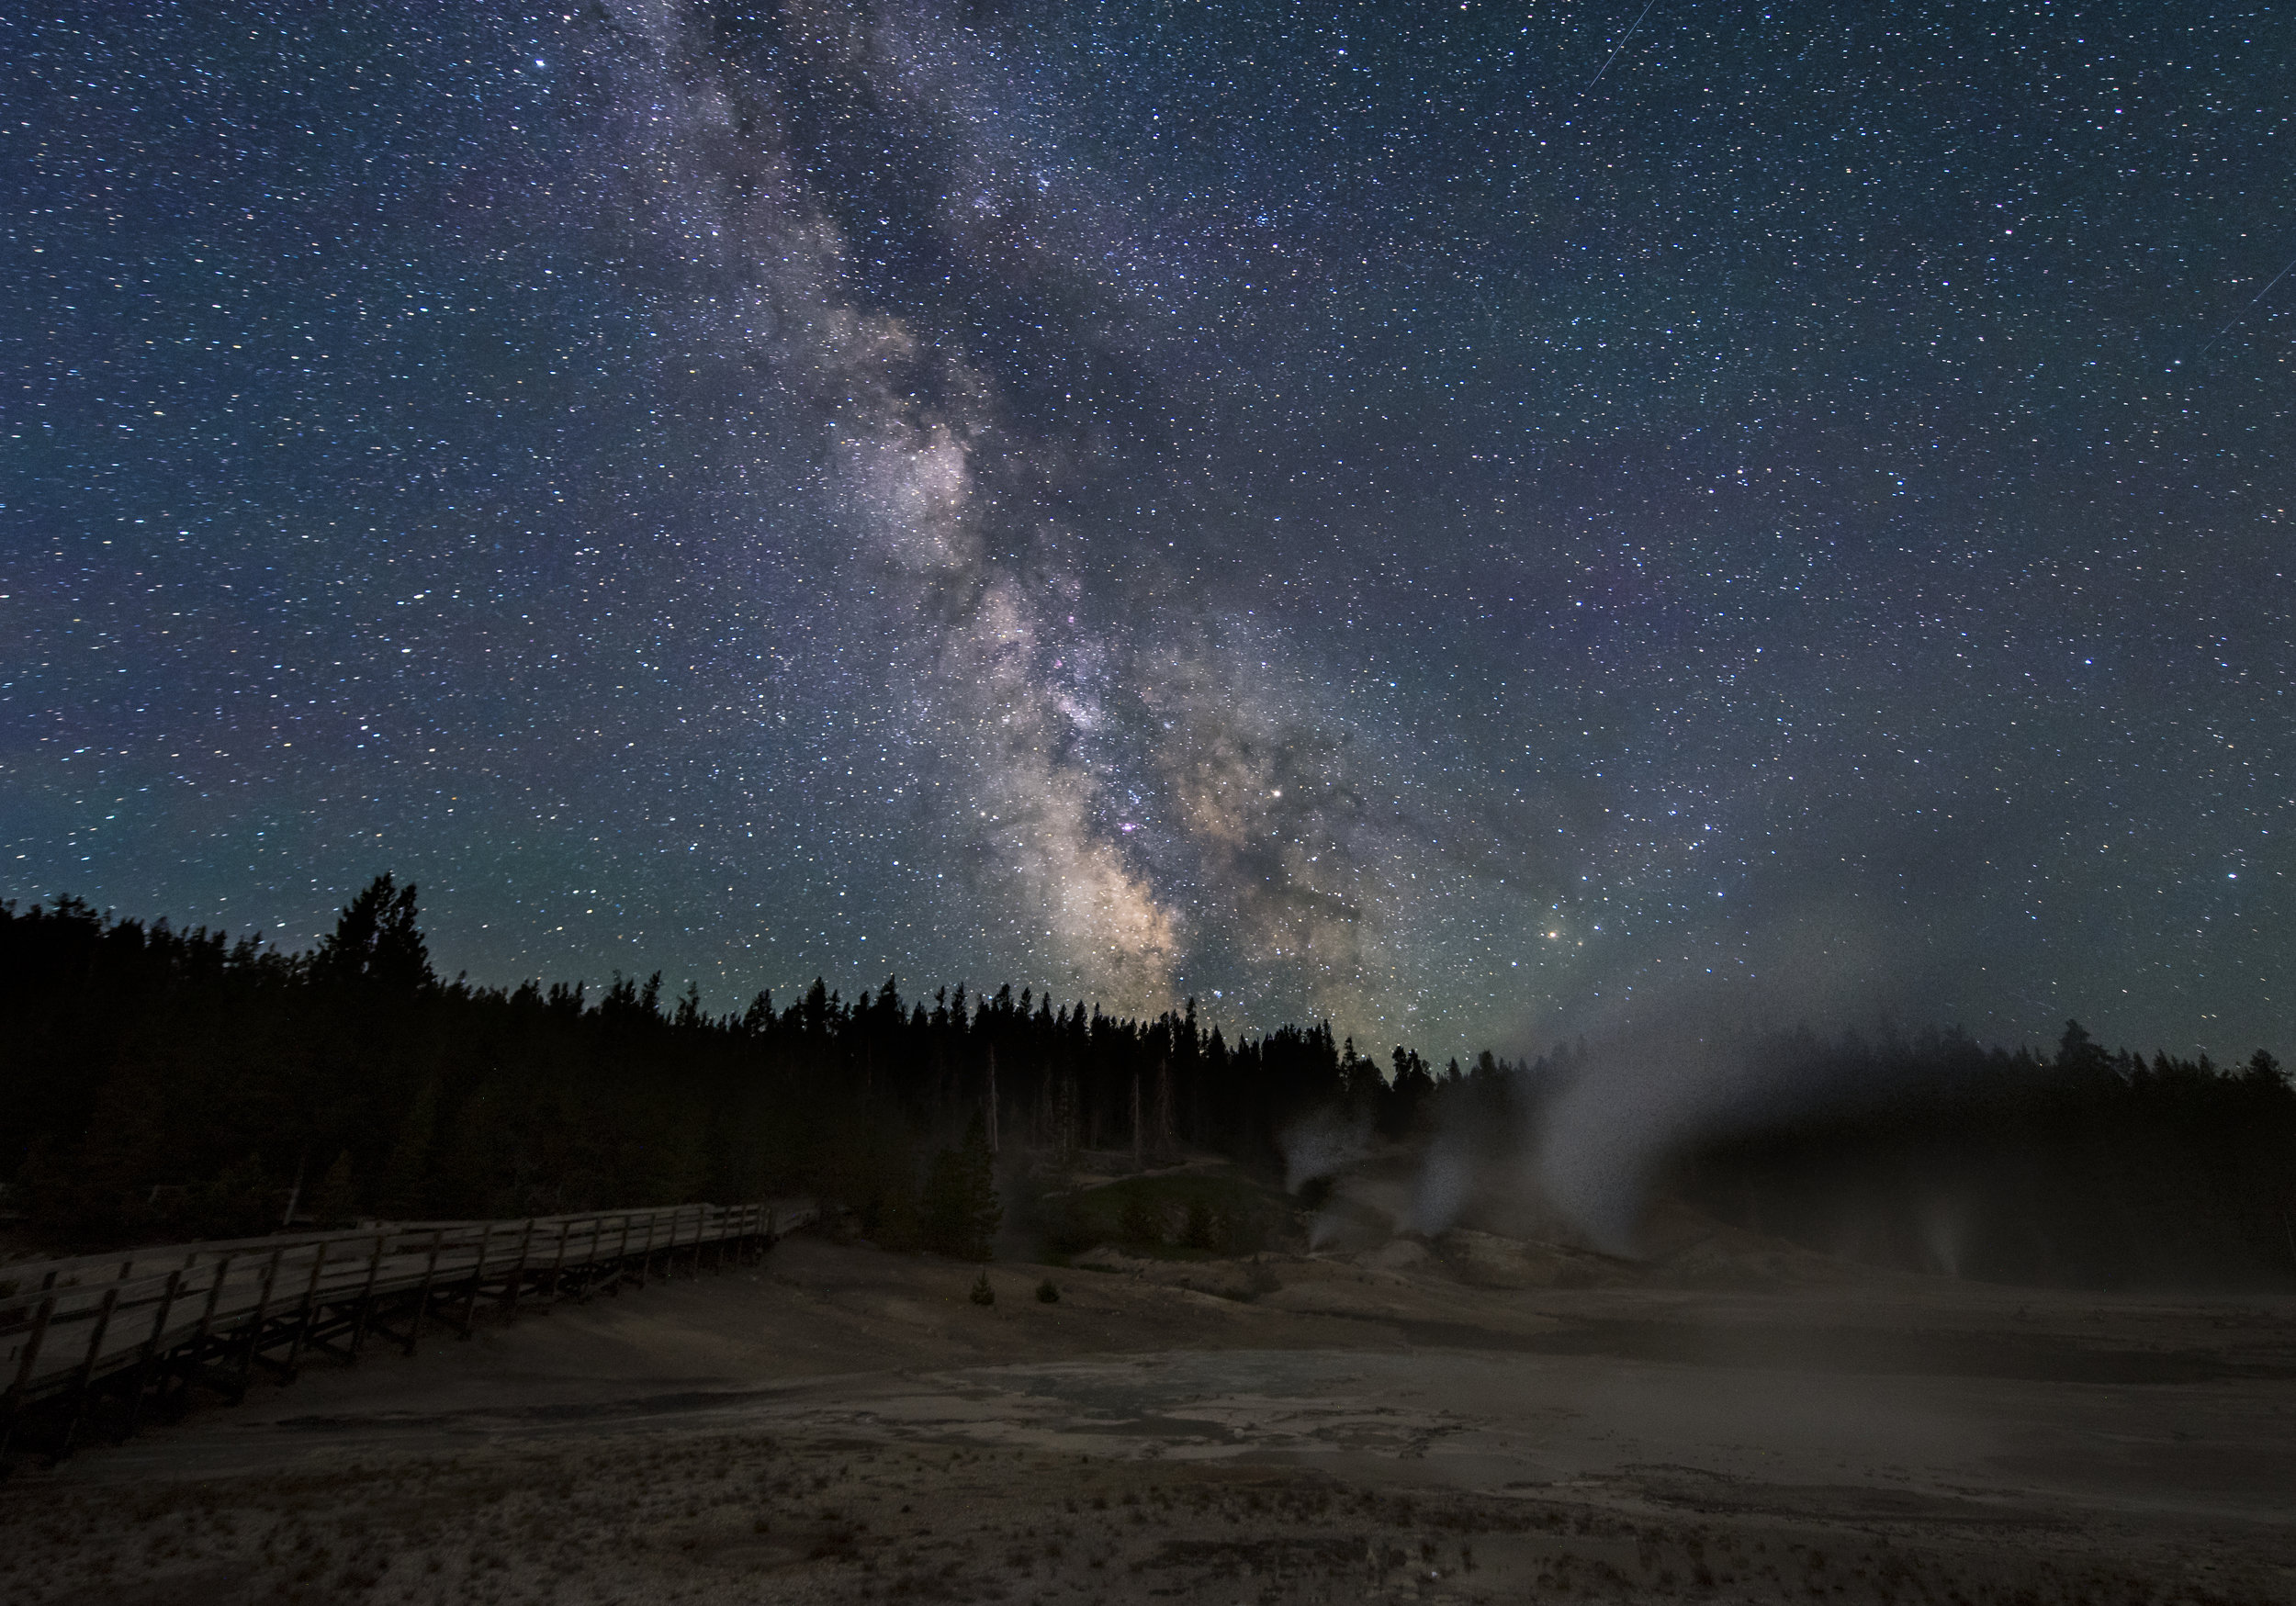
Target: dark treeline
(159, 1082)
(2091, 1168)
(176, 1082)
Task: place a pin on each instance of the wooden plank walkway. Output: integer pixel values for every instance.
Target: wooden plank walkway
(93, 1342)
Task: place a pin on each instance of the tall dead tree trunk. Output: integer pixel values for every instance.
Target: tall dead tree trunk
(992, 1101)
(1165, 1145)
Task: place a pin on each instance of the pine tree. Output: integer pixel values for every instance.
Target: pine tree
(375, 939)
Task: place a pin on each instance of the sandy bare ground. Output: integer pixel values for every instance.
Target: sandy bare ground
(844, 1425)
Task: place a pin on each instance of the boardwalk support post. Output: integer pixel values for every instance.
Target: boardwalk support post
(151, 1353)
(86, 1377)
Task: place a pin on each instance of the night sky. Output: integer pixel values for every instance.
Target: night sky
(1487, 522)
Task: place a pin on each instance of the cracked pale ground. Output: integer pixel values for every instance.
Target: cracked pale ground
(843, 1425)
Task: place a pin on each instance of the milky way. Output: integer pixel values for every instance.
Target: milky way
(1482, 524)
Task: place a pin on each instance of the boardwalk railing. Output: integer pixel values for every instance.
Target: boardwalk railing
(100, 1339)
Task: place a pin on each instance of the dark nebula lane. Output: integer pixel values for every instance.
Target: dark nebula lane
(1484, 523)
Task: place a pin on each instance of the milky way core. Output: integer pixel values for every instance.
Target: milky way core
(1483, 524)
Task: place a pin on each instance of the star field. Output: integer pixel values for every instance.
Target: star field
(1486, 522)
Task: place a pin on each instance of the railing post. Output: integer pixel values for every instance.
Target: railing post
(585, 1270)
(478, 1275)
(205, 1333)
(367, 1300)
(518, 1273)
(22, 1385)
(422, 1295)
(151, 1353)
(310, 1310)
(31, 1349)
(254, 1328)
(586, 1273)
(622, 1254)
(80, 1385)
(215, 1295)
(557, 1261)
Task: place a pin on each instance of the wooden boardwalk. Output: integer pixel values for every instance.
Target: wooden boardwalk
(90, 1344)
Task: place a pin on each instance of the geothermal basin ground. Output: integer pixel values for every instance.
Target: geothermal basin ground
(1420, 1421)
